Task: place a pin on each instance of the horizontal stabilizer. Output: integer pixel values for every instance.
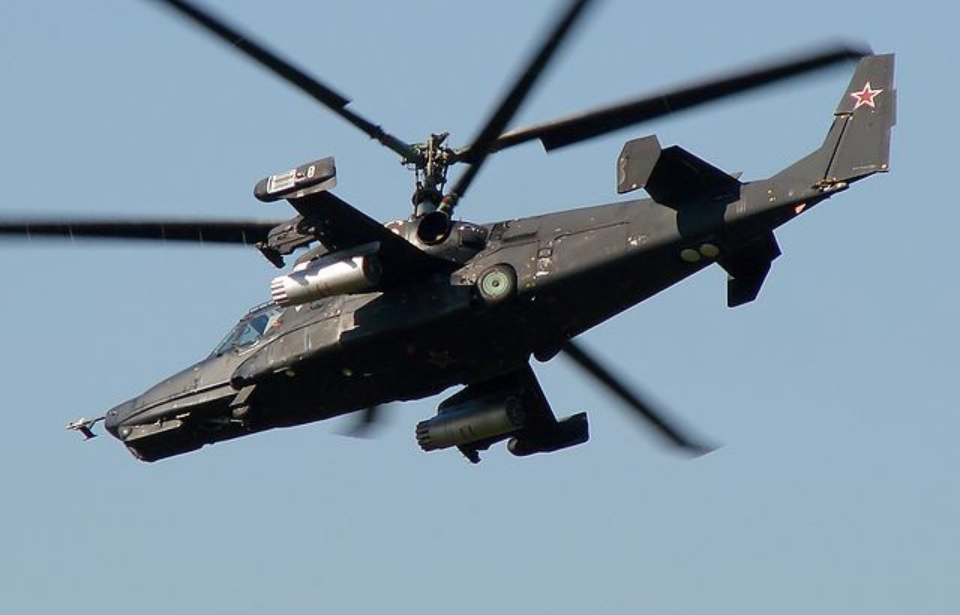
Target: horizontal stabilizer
(748, 266)
(671, 175)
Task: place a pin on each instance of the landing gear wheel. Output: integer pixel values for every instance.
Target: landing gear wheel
(497, 284)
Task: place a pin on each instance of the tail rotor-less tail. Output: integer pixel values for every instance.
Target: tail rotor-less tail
(864, 117)
(858, 144)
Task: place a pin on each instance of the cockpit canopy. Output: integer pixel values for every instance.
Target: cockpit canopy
(258, 323)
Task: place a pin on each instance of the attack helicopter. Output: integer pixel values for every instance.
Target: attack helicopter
(374, 313)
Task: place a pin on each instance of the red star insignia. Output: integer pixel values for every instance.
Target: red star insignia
(865, 97)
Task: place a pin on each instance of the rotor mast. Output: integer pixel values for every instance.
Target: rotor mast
(431, 172)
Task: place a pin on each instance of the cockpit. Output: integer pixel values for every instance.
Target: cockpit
(260, 322)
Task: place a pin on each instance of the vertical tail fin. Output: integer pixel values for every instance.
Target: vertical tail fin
(867, 111)
(858, 144)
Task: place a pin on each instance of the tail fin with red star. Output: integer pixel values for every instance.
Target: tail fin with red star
(866, 113)
(858, 144)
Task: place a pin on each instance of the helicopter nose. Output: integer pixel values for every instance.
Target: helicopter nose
(116, 415)
(147, 436)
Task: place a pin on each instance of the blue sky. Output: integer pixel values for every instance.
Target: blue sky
(833, 395)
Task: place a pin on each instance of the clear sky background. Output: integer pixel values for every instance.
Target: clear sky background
(834, 395)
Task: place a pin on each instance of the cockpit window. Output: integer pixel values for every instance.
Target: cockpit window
(250, 329)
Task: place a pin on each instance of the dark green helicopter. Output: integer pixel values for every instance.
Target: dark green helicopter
(373, 313)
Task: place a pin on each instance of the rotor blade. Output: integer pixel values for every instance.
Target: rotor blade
(366, 422)
(487, 136)
(290, 73)
(576, 128)
(633, 400)
(198, 231)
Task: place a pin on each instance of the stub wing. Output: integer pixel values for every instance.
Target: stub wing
(509, 407)
(340, 226)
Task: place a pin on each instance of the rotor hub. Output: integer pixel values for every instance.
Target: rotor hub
(431, 172)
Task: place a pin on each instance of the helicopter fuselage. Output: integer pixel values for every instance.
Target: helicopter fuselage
(569, 271)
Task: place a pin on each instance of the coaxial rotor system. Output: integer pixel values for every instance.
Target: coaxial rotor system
(432, 158)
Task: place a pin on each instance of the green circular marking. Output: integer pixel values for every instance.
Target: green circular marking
(495, 284)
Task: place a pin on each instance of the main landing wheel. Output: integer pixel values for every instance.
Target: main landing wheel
(497, 284)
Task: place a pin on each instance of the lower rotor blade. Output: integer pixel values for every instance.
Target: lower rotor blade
(580, 127)
(196, 231)
(671, 432)
(367, 421)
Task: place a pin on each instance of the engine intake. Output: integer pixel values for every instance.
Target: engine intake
(472, 421)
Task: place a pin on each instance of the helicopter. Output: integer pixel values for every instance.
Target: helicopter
(370, 313)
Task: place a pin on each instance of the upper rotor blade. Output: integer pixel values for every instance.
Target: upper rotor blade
(580, 127)
(197, 231)
(487, 136)
(293, 75)
(632, 399)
